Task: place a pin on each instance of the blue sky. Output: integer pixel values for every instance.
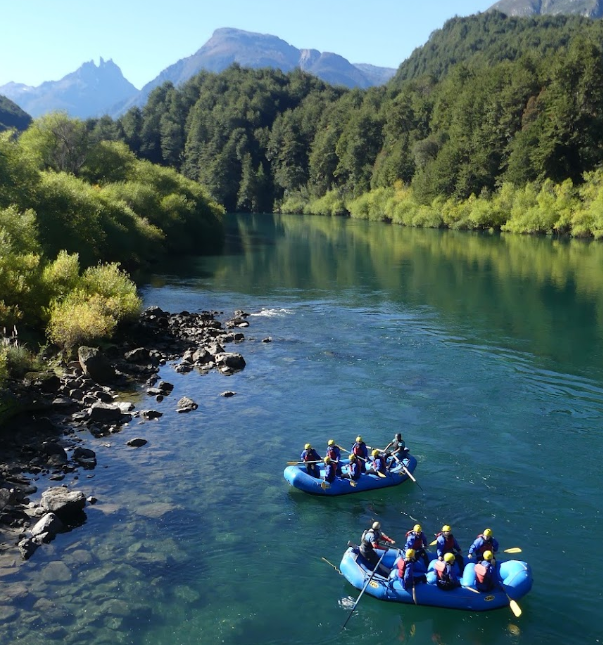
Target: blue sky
(43, 40)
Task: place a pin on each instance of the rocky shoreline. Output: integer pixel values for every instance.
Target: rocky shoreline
(46, 438)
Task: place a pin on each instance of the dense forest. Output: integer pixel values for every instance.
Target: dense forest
(477, 123)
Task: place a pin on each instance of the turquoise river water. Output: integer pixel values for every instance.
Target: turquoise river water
(485, 351)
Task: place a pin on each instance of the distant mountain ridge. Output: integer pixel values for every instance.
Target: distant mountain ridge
(249, 49)
(587, 8)
(93, 91)
(89, 91)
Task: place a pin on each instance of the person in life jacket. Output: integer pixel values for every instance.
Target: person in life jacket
(485, 572)
(379, 463)
(334, 453)
(416, 540)
(446, 543)
(354, 467)
(310, 455)
(398, 448)
(369, 542)
(447, 578)
(484, 542)
(360, 449)
(330, 470)
(404, 568)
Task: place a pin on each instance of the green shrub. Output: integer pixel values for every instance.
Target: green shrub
(79, 320)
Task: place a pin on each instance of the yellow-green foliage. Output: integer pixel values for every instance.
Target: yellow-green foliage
(116, 289)
(61, 276)
(296, 204)
(372, 205)
(79, 319)
(19, 265)
(588, 217)
(108, 162)
(329, 204)
(103, 297)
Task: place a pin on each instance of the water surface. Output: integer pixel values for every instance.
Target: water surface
(485, 351)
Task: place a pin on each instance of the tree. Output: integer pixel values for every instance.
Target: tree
(57, 142)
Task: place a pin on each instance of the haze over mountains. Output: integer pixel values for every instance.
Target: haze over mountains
(93, 91)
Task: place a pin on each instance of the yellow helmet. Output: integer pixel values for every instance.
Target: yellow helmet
(417, 528)
(375, 453)
(448, 557)
(446, 528)
(308, 446)
(488, 555)
(488, 533)
(352, 457)
(358, 438)
(327, 460)
(331, 442)
(410, 553)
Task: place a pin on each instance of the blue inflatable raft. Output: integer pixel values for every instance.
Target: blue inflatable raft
(514, 582)
(298, 477)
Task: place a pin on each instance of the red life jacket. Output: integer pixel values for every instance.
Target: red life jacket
(332, 453)
(359, 449)
(401, 567)
(485, 546)
(448, 541)
(480, 573)
(439, 568)
(417, 540)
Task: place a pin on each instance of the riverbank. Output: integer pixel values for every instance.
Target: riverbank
(55, 413)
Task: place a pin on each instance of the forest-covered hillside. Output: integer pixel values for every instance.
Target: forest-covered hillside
(12, 116)
(488, 101)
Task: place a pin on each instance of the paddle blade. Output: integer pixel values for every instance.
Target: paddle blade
(353, 483)
(433, 543)
(382, 475)
(293, 463)
(515, 608)
(471, 589)
(514, 549)
(325, 485)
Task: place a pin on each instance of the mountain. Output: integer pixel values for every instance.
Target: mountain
(12, 116)
(587, 8)
(248, 49)
(89, 91)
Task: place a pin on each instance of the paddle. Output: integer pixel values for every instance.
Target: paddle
(514, 549)
(366, 584)
(293, 463)
(334, 567)
(411, 476)
(515, 608)
(414, 593)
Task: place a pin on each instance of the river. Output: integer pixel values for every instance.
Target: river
(484, 350)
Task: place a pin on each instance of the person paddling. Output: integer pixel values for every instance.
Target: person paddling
(334, 452)
(404, 569)
(447, 578)
(485, 572)
(484, 542)
(369, 542)
(446, 543)
(399, 450)
(330, 470)
(310, 455)
(360, 449)
(379, 463)
(416, 540)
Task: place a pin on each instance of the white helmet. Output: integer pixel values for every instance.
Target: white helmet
(376, 525)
